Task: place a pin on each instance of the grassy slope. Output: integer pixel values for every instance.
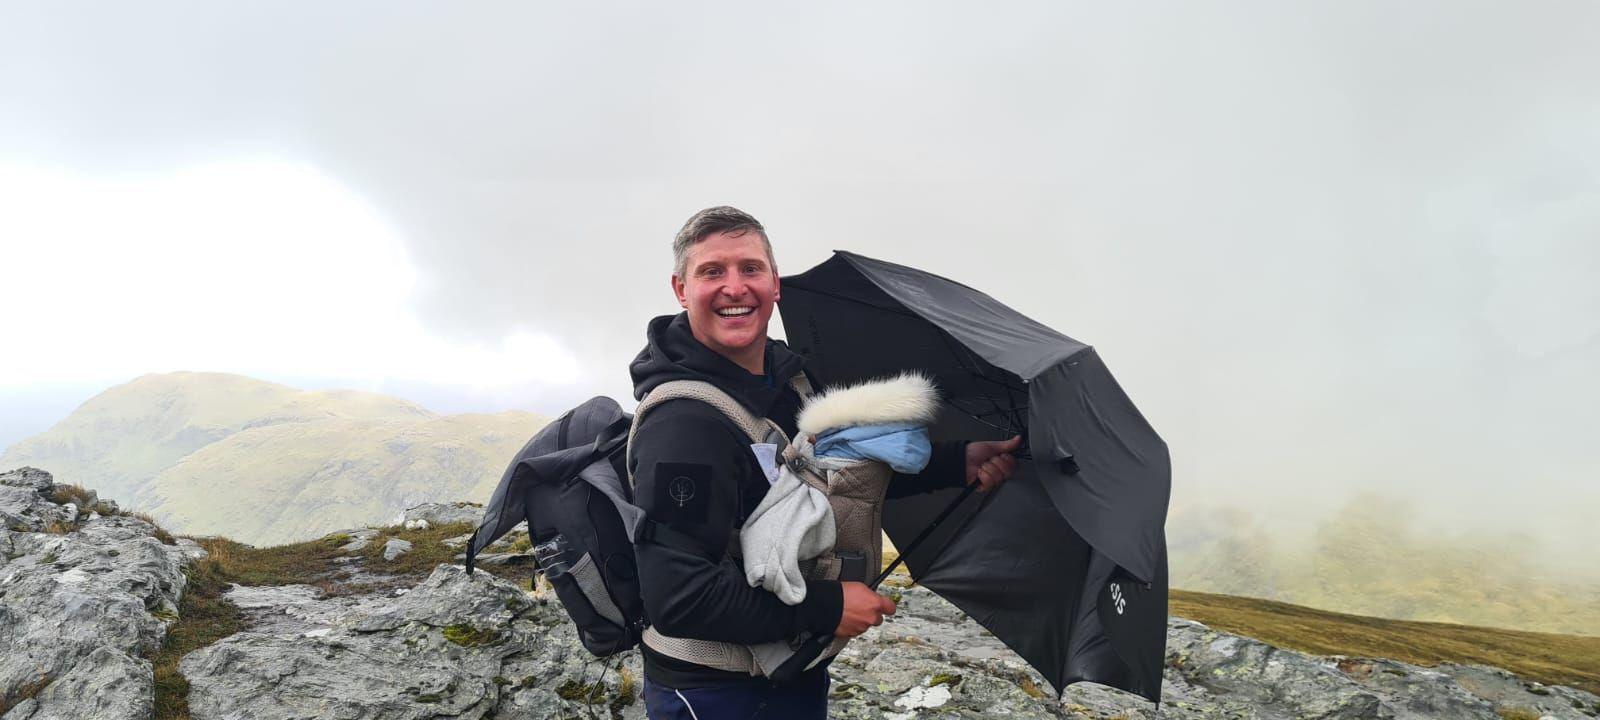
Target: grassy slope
(119, 439)
(1572, 660)
(295, 481)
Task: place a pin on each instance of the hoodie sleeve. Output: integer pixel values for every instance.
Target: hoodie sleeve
(689, 466)
(947, 468)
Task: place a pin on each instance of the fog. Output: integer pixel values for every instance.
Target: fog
(1327, 248)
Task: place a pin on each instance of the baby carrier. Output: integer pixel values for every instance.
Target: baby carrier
(568, 484)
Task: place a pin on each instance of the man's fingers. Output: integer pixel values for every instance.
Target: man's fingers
(888, 606)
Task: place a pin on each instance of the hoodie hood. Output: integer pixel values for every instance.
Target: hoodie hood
(672, 353)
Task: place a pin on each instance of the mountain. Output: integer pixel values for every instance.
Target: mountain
(212, 453)
(282, 483)
(118, 440)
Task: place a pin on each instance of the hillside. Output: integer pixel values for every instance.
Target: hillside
(285, 483)
(1547, 657)
(211, 453)
(117, 441)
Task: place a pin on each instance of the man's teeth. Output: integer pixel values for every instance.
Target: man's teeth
(732, 312)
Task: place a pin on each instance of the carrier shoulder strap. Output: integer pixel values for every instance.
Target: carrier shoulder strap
(757, 429)
(730, 657)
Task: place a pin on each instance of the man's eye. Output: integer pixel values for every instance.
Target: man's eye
(752, 269)
(711, 272)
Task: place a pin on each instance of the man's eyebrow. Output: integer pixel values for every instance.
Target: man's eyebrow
(713, 263)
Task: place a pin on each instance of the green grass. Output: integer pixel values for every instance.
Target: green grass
(1572, 660)
(204, 618)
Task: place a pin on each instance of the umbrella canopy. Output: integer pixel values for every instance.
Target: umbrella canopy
(1066, 563)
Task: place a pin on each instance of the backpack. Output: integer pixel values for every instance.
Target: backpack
(567, 483)
(570, 482)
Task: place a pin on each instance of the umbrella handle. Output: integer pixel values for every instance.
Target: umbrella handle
(801, 659)
(814, 645)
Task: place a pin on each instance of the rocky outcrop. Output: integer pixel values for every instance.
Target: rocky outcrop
(84, 598)
(475, 646)
(441, 514)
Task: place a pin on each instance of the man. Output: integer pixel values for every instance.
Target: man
(695, 473)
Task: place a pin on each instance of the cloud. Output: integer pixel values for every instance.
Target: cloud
(257, 266)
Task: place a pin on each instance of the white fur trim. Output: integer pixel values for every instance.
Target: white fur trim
(907, 398)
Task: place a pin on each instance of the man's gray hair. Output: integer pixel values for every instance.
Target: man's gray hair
(708, 222)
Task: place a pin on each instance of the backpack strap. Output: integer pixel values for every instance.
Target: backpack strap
(730, 657)
(757, 429)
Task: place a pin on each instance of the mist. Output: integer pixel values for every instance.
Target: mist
(1327, 248)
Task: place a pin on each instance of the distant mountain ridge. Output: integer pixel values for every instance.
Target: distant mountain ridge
(214, 453)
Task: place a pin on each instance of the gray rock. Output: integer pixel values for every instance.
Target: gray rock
(395, 548)
(442, 513)
(454, 646)
(80, 608)
(191, 549)
(478, 647)
(359, 539)
(28, 478)
(105, 685)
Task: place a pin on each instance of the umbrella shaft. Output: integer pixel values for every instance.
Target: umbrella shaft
(924, 535)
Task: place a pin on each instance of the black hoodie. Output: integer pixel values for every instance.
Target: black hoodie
(699, 592)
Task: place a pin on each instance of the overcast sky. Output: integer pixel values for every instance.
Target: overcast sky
(1324, 246)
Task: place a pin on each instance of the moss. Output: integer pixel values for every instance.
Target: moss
(48, 558)
(1031, 689)
(1517, 713)
(501, 680)
(24, 691)
(1536, 689)
(337, 539)
(469, 636)
(164, 615)
(951, 679)
(579, 692)
(428, 698)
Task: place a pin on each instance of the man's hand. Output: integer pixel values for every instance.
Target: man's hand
(863, 609)
(990, 462)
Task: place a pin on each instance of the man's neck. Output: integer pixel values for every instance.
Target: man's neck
(754, 362)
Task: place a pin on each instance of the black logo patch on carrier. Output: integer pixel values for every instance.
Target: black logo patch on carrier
(683, 492)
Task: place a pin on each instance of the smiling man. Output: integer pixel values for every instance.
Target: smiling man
(697, 475)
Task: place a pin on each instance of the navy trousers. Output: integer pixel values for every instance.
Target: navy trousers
(806, 699)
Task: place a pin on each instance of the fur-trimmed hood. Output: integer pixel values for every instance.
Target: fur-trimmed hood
(908, 398)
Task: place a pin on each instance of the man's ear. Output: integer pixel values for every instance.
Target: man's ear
(777, 286)
(678, 289)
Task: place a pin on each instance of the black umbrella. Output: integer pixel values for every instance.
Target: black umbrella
(1066, 563)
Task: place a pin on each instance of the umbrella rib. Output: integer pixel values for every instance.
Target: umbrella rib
(837, 296)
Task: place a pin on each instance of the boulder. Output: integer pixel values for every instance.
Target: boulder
(442, 514)
(395, 548)
(81, 605)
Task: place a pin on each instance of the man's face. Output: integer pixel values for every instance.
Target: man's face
(729, 290)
